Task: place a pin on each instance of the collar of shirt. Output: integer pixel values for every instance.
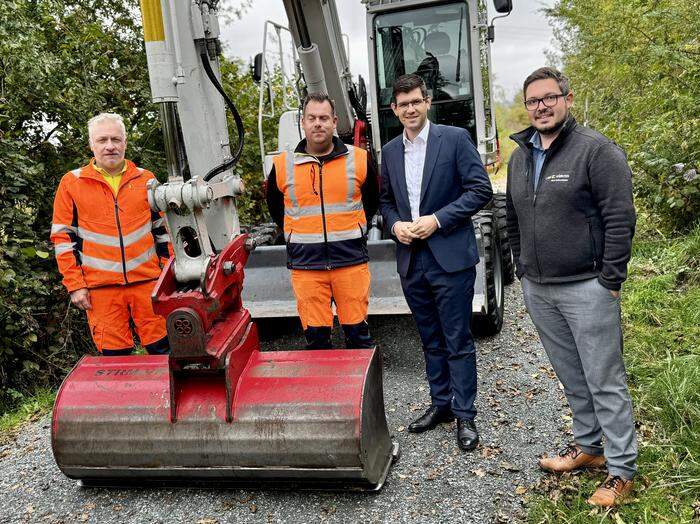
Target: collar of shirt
(536, 141)
(422, 136)
(105, 174)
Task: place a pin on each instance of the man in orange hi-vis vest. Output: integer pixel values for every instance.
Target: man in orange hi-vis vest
(323, 195)
(109, 245)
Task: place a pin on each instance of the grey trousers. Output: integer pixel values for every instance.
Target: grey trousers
(579, 325)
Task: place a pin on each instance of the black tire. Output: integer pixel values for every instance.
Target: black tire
(499, 210)
(491, 322)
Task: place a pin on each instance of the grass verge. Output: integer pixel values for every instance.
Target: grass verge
(661, 319)
(27, 408)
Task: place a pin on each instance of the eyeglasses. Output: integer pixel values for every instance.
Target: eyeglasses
(403, 106)
(548, 101)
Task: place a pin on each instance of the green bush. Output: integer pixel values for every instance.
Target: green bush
(62, 62)
(635, 71)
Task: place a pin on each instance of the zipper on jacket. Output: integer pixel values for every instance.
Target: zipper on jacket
(323, 215)
(534, 213)
(121, 239)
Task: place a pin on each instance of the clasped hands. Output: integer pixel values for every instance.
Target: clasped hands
(421, 228)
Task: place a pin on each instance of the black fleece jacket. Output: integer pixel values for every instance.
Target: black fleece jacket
(579, 221)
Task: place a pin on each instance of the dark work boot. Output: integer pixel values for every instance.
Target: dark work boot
(318, 337)
(357, 336)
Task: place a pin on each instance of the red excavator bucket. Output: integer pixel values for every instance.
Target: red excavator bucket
(295, 417)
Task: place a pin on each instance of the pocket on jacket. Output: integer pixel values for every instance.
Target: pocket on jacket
(595, 249)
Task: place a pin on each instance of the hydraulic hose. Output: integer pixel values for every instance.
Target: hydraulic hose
(204, 55)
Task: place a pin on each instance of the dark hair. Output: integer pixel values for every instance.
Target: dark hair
(407, 83)
(544, 73)
(319, 98)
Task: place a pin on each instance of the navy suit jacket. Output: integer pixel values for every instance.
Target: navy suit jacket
(455, 186)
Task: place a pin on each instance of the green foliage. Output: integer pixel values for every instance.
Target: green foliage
(25, 408)
(238, 82)
(637, 64)
(661, 317)
(511, 117)
(62, 62)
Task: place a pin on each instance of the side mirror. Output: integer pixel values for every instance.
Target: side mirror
(257, 69)
(503, 6)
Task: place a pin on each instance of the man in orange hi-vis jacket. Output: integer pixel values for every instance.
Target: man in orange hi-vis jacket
(323, 195)
(109, 245)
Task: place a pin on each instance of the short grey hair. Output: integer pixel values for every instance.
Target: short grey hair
(106, 117)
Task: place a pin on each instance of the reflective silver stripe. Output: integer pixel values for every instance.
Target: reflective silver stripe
(76, 172)
(112, 241)
(317, 238)
(350, 172)
(116, 267)
(157, 223)
(63, 247)
(307, 211)
(137, 235)
(135, 262)
(289, 168)
(101, 264)
(98, 238)
(162, 238)
(62, 228)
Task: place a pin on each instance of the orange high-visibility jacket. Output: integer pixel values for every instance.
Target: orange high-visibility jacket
(324, 220)
(104, 239)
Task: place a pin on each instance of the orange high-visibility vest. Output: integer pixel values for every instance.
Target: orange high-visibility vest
(103, 239)
(324, 220)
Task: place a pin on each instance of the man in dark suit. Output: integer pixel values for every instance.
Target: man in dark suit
(433, 181)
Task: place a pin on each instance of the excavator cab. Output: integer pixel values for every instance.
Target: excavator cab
(446, 45)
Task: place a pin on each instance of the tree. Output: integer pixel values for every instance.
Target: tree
(62, 62)
(636, 65)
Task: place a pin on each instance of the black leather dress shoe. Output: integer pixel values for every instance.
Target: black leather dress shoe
(430, 419)
(467, 435)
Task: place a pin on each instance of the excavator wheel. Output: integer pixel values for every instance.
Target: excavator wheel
(491, 322)
(507, 265)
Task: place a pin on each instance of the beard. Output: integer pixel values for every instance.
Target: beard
(553, 128)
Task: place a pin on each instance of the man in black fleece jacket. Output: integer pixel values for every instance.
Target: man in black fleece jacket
(570, 223)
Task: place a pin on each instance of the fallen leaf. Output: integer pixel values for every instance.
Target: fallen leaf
(479, 472)
(520, 490)
(490, 451)
(508, 466)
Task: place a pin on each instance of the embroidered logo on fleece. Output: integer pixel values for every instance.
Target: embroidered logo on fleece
(560, 177)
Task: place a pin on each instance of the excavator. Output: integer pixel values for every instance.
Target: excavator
(217, 410)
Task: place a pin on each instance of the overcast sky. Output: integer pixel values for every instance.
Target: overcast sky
(521, 38)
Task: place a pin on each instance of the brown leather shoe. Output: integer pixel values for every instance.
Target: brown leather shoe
(570, 458)
(611, 492)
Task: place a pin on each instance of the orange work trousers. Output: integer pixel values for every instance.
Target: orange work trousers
(348, 287)
(113, 306)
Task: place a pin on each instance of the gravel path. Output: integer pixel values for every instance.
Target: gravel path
(520, 416)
